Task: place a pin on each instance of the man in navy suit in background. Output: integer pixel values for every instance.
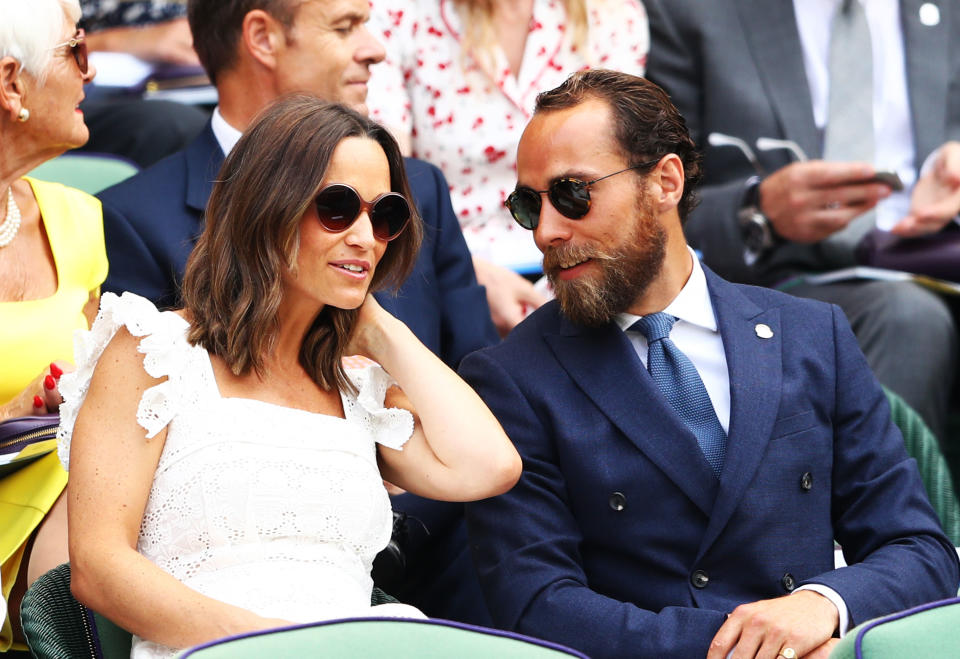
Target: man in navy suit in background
(691, 447)
(255, 51)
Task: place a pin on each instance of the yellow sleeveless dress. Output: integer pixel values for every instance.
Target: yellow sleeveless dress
(34, 333)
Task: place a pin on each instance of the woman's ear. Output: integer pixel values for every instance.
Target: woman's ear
(262, 37)
(12, 91)
(668, 181)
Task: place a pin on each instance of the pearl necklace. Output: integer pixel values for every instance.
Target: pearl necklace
(10, 226)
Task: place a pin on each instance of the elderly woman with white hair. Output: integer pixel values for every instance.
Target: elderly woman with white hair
(52, 262)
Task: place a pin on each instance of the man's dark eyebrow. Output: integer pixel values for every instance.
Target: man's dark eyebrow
(577, 174)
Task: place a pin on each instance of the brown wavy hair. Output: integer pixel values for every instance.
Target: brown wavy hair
(232, 285)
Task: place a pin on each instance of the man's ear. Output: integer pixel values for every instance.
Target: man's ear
(667, 179)
(262, 37)
(12, 89)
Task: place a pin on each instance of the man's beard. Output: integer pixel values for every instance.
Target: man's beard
(626, 272)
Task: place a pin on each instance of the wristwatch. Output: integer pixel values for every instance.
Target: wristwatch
(755, 229)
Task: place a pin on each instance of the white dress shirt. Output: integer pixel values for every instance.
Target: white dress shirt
(696, 335)
(893, 133)
(227, 136)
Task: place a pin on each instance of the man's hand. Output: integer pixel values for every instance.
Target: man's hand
(510, 296)
(803, 621)
(822, 652)
(936, 196)
(808, 201)
(169, 41)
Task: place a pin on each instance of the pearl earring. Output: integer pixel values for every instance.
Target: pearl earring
(24, 115)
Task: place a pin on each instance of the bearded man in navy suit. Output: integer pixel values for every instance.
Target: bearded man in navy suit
(681, 495)
(254, 52)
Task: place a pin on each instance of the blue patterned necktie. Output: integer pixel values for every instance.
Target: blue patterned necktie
(677, 378)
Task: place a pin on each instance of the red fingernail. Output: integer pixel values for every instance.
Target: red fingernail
(49, 382)
(37, 401)
(55, 371)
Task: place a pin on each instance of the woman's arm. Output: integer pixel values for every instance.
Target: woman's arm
(458, 451)
(112, 464)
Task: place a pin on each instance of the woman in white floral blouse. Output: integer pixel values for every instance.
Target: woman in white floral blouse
(458, 87)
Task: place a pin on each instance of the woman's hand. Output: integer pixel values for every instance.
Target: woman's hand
(41, 396)
(369, 337)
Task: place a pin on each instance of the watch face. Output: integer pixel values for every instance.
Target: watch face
(754, 230)
(753, 236)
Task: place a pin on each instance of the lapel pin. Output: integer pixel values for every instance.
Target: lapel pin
(929, 14)
(763, 331)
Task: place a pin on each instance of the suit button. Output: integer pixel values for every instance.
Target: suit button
(617, 501)
(806, 481)
(699, 579)
(788, 582)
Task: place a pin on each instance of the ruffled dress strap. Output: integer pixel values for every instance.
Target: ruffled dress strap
(389, 426)
(167, 354)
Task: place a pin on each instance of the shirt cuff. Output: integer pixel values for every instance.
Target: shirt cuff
(833, 596)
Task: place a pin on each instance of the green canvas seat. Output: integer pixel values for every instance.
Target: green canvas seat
(85, 171)
(381, 637)
(57, 626)
(921, 444)
(931, 631)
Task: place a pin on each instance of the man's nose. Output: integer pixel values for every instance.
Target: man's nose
(370, 50)
(552, 227)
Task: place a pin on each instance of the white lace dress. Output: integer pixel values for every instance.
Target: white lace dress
(273, 509)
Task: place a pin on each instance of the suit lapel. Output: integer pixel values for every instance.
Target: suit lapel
(926, 52)
(204, 157)
(606, 368)
(771, 33)
(754, 365)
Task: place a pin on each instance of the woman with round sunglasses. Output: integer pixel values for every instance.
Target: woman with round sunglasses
(226, 468)
(52, 262)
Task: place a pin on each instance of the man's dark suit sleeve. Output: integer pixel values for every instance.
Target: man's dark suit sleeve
(132, 266)
(465, 322)
(526, 546)
(882, 518)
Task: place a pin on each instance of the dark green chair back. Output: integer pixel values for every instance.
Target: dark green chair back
(381, 637)
(929, 631)
(58, 627)
(922, 445)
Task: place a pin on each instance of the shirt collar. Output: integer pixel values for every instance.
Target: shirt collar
(691, 305)
(227, 136)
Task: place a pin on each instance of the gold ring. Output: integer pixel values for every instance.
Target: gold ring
(788, 653)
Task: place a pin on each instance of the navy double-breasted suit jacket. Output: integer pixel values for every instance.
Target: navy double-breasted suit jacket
(151, 222)
(620, 541)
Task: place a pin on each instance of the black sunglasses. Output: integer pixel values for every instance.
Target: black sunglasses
(78, 47)
(339, 206)
(570, 196)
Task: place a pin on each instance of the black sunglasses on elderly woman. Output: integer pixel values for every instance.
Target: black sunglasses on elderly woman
(339, 205)
(78, 48)
(570, 196)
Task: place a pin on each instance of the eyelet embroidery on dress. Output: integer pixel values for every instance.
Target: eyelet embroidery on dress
(245, 489)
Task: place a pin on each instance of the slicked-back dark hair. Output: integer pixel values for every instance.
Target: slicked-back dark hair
(232, 287)
(216, 26)
(646, 124)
